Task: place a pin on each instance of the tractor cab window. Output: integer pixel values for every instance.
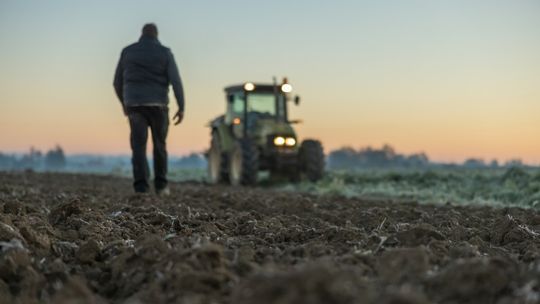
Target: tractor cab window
(235, 107)
(262, 104)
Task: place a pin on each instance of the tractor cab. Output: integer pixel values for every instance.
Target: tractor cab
(250, 105)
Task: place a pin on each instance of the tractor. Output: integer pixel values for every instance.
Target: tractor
(255, 134)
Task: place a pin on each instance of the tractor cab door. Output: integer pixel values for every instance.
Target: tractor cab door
(236, 104)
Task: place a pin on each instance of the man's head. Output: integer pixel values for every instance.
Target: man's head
(150, 30)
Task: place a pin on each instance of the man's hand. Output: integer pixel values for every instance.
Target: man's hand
(178, 117)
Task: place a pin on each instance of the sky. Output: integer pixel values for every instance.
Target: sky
(452, 78)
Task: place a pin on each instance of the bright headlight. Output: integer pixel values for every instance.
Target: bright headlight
(290, 141)
(249, 86)
(279, 141)
(286, 88)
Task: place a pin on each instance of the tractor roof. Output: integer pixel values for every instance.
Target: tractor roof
(259, 87)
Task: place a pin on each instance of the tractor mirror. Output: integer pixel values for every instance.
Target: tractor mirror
(297, 100)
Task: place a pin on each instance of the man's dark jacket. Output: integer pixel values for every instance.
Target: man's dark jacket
(143, 75)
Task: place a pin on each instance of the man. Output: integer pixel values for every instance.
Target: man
(142, 79)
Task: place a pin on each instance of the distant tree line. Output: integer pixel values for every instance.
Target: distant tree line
(53, 159)
(477, 163)
(56, 160)
(191, 161)
(387, 157)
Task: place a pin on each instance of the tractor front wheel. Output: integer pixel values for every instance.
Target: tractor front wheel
(244, 163)
(217, 161)
(312, 159)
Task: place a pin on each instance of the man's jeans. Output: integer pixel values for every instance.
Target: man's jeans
(140, 118)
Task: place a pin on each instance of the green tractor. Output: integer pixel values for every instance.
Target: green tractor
(255, 135)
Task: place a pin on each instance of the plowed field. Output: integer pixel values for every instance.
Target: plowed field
(87, 239)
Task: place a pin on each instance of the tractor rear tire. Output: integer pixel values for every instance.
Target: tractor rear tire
(312, 159)
(244, 163)
(217, 161)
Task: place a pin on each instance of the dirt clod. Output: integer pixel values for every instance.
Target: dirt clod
(419, 235)
(14, 208)
(8, 233)
(478, 280)
(75, 291)
(35, 238)
(403, 264)
(64, 211)
(88, 251)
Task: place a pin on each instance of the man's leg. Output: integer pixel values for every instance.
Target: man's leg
(139, 137)
(160, 125)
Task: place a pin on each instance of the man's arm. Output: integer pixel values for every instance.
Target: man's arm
(119, 80)
(176, 82)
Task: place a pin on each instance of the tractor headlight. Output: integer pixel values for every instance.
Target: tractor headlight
(249, 87)
(286, 88)
(279, 141)
(290, 141)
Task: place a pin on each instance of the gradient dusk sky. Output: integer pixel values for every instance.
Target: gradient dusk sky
(452, 78)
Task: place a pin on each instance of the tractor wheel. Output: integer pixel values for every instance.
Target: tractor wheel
(244, 163)
(217, 161)
(312, 159)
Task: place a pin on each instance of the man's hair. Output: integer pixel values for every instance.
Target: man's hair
(150, 29)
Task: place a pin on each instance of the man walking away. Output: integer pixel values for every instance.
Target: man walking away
(142, 79)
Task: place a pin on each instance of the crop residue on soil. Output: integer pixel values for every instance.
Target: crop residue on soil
(67, 238)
